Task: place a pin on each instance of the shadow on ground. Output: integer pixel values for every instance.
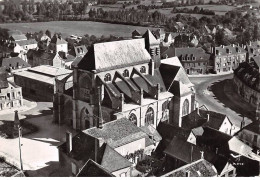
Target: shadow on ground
(231, 99)
(52, 169)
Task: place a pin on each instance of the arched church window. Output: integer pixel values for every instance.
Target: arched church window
(143, 69)
(133, 118)
(185, 107)
(126, 73)
(149, 116)
(107, 77)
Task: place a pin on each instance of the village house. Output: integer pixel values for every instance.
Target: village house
(117, 146)
(246, 82)
(121, 76)
(39, 82)
(159, 34)
(253, 49)
(58, 44)
(194, 60)
(41, 57)
(186, 40)
(15, 36)
(12, 64)
(227, 58)
(10, 94)
(22, 47)
(199, 168)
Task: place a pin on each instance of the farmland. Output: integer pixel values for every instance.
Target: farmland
(79, 28)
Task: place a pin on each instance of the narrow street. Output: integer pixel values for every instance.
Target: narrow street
(216, 92)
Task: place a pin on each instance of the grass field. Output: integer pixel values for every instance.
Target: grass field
(219, 9)
(79, 28)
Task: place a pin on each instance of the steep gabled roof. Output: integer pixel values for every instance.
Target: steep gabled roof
(19, 37)
(113, 161)
(13, 62)
(93, 169)
(27, 42)
(150, 39)
(113, 55)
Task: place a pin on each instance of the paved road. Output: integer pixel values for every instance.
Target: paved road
(215, 92)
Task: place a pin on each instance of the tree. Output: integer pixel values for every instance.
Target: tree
(48, 33)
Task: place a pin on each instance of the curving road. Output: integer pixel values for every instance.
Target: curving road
(216, 92)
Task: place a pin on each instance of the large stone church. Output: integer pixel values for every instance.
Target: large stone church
(123, 79)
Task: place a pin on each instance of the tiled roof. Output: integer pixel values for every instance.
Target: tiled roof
(116, 133)
(152, 132)
(183, 53)
(200, 168)
(224, 50)
(113, 161)
(113, 55)
(27, 42)
(13, 62)
(93, 169)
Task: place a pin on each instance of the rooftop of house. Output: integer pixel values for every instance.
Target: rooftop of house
(14, 62)
(253, 127)
(195, 119)
(200, 168)
(66, 57)
(188, 153)
(158, 32)
(227, 50)
(19, 37)
(113, 55)
(43, 73)
(93, 169)
(27, 42)
(248, 74)
(117, 133)
(187, 54)
(14, 32)
(42, 54)
(136, 33)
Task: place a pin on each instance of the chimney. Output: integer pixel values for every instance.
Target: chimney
(187, 173)
(207, 117)
(68, 141)
(202, 154)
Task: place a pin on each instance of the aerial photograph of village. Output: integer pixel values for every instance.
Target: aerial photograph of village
(129, 88)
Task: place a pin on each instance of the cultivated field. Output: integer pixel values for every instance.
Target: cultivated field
(79, 28)
(218, 9)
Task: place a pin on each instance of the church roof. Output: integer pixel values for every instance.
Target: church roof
(113, 55)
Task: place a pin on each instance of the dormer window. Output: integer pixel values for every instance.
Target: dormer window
(126, 73)
(107, 77)
(143, 69)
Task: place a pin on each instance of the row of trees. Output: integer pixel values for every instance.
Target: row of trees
(196, 10)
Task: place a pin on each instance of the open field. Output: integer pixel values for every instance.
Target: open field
(218, 9)
(79, 28)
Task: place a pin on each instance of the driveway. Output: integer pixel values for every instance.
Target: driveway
(216, 93)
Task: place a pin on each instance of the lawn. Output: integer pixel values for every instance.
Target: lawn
(79, 28)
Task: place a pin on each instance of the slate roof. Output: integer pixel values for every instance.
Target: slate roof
(200, 168)
(13, 62)
(27, 42)
(194, 119)
(112, 161)
(248, 74)
(223, 50)
(93, 169)
(183, 53)
(113, 55)
(253, 127)
(117, 133)
(188, 153)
